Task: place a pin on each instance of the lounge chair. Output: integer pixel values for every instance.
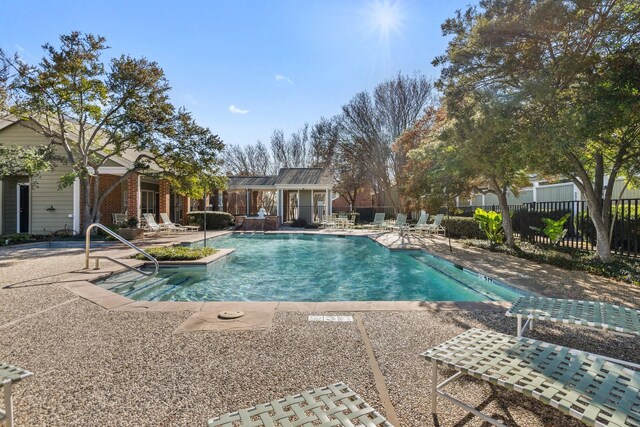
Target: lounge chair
(400, 224)
(151, 226)
(9, 375)
(596, 315)
(378, 222)
(435, 227)
(166, 222)
(420, 225)
(333, 405)
(580, 384)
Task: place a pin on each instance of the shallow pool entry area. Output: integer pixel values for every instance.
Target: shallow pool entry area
(312, 268)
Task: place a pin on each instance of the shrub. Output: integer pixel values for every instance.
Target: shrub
(9, 239)
(554, 230)
(462, 227)
(177, 253)
(299, 223)
(491, 223)
(215, 220)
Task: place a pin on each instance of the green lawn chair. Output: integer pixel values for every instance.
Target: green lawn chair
(334, 405)
(378, 222)
(594, 390)
(9, 375)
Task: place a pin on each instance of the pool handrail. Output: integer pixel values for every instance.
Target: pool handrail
(122, 240)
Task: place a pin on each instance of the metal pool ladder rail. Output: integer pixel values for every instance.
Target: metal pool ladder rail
(126, 242)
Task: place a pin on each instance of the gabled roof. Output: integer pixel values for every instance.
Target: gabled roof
(304, 176)
(287, 178)
(251, 181)
(126, 158)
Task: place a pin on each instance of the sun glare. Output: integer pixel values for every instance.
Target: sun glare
(386, 18)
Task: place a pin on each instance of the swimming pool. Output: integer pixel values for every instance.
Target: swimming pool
(297, 267)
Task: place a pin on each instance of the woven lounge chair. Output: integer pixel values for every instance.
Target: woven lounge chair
(9, 375)
(580, 384)
(166, 222)
(590, 314)
(333, 405)
(378, 222)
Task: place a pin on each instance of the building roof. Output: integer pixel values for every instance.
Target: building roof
(287, 177)
(304, 176)
(251, 181)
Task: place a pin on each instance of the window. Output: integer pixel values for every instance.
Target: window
(148, 201)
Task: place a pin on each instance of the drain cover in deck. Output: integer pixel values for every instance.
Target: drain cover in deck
(230, 314)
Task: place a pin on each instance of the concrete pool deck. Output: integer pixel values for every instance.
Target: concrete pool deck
(108, 366)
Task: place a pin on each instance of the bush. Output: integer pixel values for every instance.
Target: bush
(215, 220)
(10, 239)
(177, 253)
(299, 223)
(463, 227)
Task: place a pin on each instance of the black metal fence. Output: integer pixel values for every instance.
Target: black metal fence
(581, 233)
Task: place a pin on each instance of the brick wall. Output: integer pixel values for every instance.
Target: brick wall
(164, 195)
(112, 203)
(133, 202)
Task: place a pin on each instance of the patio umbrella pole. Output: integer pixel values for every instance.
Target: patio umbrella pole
(204, 221)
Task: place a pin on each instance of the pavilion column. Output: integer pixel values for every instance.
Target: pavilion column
(330, 203)
(165, 200)
(225, 201)
(278, 205)
(247, 201)
(326, 203)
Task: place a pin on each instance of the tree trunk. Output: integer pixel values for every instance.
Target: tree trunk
(507, 224)
(602, 231)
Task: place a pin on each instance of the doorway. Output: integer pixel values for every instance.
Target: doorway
(23, 207)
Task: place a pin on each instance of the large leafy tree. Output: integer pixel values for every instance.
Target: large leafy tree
(94, 111)
(574, 67)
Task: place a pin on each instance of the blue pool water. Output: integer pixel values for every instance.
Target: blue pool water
(294, 267)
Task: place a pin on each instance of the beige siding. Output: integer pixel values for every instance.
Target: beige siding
(44, 188)
(44, 194)
(629, 193)
(20, 135)
(560, 193)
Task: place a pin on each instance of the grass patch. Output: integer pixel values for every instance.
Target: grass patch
(177, 253)
(622, 268)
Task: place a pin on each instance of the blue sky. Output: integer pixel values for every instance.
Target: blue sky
(245, 68)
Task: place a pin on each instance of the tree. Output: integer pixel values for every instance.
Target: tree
(25, 161)
(574, 66)
(94, 112)
(373, 122)
(485, 145)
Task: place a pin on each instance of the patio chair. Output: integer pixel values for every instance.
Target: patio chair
(420, 225)
(119, 218)
(333, 405)
(400, 224)
(378, 222)
(166, 221)
(9, 375)
(582, 385)
(151, 226)
(435, 227)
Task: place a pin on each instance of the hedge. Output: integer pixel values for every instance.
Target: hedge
(463, 227)
(215, 220)
(177, 253)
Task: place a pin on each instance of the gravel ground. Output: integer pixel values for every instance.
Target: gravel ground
(98, 367)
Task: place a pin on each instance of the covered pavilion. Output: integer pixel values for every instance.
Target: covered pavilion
(295, 193)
